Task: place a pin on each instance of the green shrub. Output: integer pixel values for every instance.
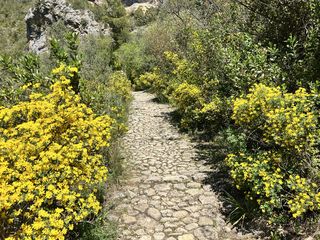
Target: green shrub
(111, 96)
(130, 57)
(148, 80)
(14, 73)
(79, 4)
(96, 52)
(114, 14)
(279, 168)
(187, 98)
(142, 18)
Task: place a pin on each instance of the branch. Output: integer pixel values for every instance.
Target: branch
(252, 10)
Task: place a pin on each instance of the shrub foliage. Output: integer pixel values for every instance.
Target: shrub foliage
(50, 162)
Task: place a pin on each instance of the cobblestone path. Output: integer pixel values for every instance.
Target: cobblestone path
(164, 197)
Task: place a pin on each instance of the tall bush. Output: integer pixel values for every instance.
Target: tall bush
(50, 162)
(279, 168)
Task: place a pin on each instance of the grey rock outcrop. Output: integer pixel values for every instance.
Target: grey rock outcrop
(47, 12)
(134, 5)
(144, 6)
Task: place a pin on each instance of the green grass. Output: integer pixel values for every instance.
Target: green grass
(101, 228)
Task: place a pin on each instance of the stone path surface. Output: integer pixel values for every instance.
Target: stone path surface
(164, 197)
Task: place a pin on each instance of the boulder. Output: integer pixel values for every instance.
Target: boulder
(144, 6)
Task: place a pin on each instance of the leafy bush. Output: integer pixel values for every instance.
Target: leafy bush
(104, 91)
(51, 165)
(119, 88)
(181, 68)
(248, 63)
(276, 21)
(96, 55)
(287, 120)
(148, 80)
(120, 85)
(14, 73)
(143, 17)
(157, 38)
(130, 57)
(78, 4)
(279, 168)
(111, 96)
(144, 81)
(187, 98)
(114, 14)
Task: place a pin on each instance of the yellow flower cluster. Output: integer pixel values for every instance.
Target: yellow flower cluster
(58, 69)
(120, 85)
(182, 68)
(211, 111)
(284, 127)
(150, 80)
(260, 177)
(186, 95)
(65, 69)
(196, 109)
(306, 198)
(286, 119)
(188, 100)
(50, 163)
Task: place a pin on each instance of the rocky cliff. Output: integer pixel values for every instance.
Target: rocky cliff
(47, 12)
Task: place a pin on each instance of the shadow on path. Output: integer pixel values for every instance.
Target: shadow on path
(212, 151)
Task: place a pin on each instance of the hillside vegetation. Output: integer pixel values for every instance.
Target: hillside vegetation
(241, 74)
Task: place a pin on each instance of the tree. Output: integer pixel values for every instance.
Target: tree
(116, 17)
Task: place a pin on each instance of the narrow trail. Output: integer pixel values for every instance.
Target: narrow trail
(164, 197)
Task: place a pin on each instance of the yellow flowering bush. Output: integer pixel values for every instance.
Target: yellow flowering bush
(144, 81)
(150, 80)
(50, 163)
(187, 98)
(212, 113)
(120, 85)
(197, 110)
(259, 176)
(182, 69)
(286, 119)
(278, 167)
(262, 177)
